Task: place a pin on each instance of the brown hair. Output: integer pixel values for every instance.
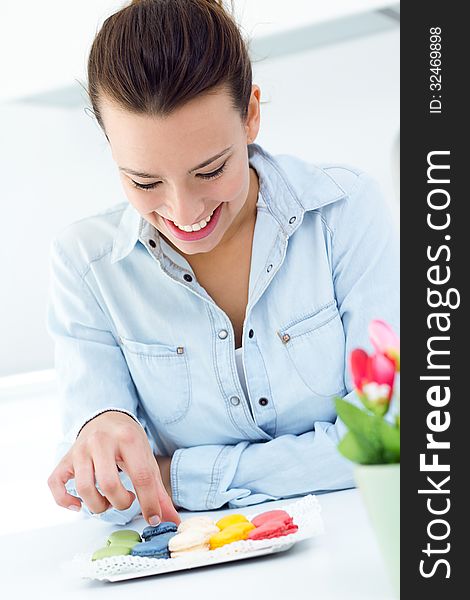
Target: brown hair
(153, 56)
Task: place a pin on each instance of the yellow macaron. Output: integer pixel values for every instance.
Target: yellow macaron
(231, 520)
(231, 533)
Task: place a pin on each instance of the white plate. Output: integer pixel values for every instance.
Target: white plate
(305, 513)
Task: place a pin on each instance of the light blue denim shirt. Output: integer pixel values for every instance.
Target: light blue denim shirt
(135, 331)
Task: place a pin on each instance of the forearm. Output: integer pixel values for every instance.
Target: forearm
(207, 477)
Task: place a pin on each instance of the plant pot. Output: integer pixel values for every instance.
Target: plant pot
(379, 486)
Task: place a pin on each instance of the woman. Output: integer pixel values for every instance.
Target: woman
(202, 329)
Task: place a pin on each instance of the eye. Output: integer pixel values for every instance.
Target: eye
(141, 186)
(207, 176)
(214, 174)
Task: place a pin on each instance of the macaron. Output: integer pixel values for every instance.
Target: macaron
(111, 550)
(271, 529)
(165, 527)
(231, 533)
(231, 520)
(204, 523)
(190, 540)
(123, 537)
(278, 515)
(156, 547)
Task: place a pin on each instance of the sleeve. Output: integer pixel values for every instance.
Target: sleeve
(364, 263)
(91, 371)
(365, 258)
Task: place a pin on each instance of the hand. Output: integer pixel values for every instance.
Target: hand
(110, 440)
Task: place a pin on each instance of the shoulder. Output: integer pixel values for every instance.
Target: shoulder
(363, 200)
(336, 191)
(299, 171)
(90, 238)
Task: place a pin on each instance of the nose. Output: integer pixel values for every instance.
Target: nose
(183, 209)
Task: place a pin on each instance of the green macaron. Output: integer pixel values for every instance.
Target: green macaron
(112, 550)
(123, 537)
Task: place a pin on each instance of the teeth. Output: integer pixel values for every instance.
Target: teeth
(196, 226)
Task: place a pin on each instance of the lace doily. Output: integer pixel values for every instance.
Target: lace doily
(305, 513)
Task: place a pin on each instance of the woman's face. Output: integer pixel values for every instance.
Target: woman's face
(181, 169)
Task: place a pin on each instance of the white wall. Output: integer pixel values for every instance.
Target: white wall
(336, 103)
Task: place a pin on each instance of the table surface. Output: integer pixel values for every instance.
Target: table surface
(37, 537)
(342, 563)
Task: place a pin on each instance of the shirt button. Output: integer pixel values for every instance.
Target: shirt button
(152, 243)
(187, 277)
(263, 401)
(292, 219)
(269, 268)
(251, 333)
(223, 333)
(235, 400)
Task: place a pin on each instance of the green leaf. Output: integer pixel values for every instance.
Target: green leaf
(373, 441)
(361, 423)
(390, 437)
(357, 449)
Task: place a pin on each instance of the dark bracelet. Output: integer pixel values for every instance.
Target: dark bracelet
(101, 413)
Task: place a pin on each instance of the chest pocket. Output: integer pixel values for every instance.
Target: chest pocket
(315, 346)
(161, 376)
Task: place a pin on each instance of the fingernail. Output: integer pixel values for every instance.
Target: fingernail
(74, 507)
(155, 520)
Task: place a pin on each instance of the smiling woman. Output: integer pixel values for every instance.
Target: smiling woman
(183, 104)
(202, 326)
(181, 198)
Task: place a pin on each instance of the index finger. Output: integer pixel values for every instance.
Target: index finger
(146, 480)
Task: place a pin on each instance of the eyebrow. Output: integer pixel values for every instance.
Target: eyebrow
(200, 166)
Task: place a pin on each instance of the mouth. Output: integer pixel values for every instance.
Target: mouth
(197, 232)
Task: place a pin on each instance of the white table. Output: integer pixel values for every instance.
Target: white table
(37, 536)
(344, 563)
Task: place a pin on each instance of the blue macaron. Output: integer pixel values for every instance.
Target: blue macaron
(157, 547)
(165, 527)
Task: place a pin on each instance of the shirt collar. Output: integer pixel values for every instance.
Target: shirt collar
(289, 184)
(128, 233)
(289, 187)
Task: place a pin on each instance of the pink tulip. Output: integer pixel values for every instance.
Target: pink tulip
(373, 378)
(385, 340)
(358, 362)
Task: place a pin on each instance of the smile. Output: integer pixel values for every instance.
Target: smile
(198, 231)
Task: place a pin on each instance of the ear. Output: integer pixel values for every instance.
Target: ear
(252, 123)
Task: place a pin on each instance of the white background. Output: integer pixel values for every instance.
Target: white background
(329, 78)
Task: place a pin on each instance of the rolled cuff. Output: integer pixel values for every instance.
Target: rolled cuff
(201, 476)
(110, 515)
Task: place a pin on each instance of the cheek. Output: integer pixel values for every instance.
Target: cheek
(143, 202)
(236, 185)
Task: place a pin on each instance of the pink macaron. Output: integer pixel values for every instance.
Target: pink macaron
(271, 529)
(278, 515)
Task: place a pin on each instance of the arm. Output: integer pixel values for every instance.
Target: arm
(365, 272)
(92, 374)
(364, 259)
